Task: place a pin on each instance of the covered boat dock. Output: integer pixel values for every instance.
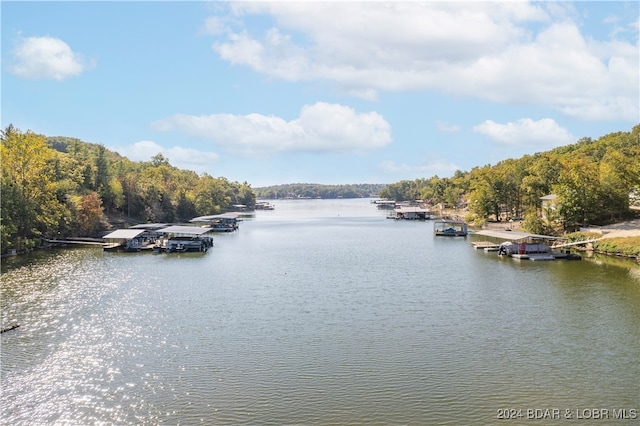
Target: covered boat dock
(127, 239)
(226, 222)
(520, 245)
(450, 228)
(411, 213)
(179, 238)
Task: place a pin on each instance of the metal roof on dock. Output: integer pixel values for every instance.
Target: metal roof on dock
(512, 235)
(149, 226)
(230, 215)
(126, 234)
(411, 209)
(191, 230)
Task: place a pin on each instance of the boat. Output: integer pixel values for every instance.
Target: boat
(450, 228)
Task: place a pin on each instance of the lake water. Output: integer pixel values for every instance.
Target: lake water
(319, 312)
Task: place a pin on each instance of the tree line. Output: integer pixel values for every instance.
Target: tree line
(594, 181)
(314, 190)
(61, 187)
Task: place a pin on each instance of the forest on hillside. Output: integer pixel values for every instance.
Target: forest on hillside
(57, 187)
(594, 182)
(314, 190)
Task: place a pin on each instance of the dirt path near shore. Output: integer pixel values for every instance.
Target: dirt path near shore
(629, 228)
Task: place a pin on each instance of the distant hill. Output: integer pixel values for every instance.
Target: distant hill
(315, 190)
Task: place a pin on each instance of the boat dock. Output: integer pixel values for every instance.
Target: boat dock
(522, 246)
(543, 256)
(450, 228)
(410, 213)
(159, 237)
(179, 239)
(226, 222)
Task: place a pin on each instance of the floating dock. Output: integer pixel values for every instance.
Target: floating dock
(542, 256)
(485, 245)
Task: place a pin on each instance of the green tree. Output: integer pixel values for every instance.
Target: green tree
(30, 208)
(211, 196)
(578, 191)
(483, 199)
(116, 192)
(103, 175)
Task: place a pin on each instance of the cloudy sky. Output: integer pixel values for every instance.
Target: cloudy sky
(322, 92)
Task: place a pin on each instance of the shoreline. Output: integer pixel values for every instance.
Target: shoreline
(622, 231)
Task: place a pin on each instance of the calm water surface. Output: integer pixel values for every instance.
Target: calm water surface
(319, 312)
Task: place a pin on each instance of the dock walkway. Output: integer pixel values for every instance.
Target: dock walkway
(485, 245)
(79, 242)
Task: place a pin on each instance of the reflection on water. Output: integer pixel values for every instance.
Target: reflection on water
(319, 312)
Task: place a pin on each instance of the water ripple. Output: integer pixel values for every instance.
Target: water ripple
(326, 320)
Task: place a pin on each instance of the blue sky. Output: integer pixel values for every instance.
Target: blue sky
(322, 92)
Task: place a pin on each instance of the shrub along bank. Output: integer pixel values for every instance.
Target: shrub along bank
(616, 246)
(619, 246)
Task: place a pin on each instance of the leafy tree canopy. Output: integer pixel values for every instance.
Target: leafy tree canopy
(595, 182)
(57, 187)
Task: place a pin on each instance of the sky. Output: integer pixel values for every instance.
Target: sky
(322, 92)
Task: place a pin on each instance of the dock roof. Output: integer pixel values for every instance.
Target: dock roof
(452, 221)
(411, 209)
(512, 235)
(190, 230)
(149, 226)
(125, 234)
(231, 215)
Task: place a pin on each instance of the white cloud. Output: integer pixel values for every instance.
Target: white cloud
(591, 81)
(321, 127)
(46, 58)
(215, 25)
(184, 158)
(543, 134)
(508, 52)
